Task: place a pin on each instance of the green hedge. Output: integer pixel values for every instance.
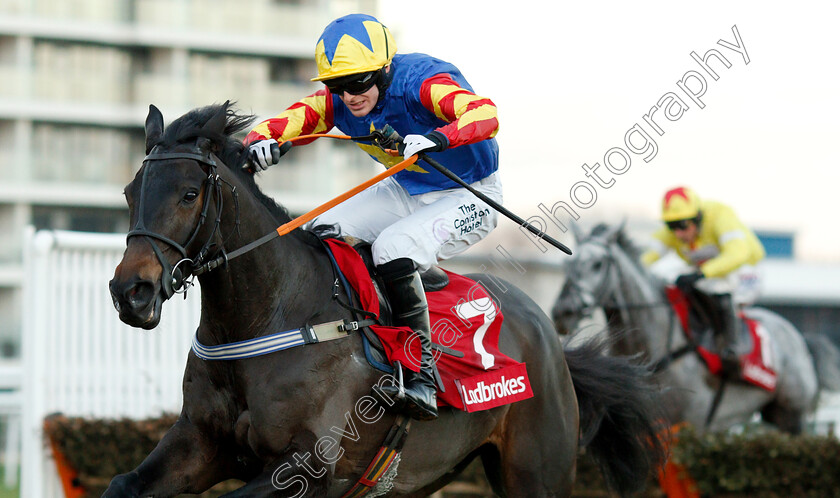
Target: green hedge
(756, 463)
(766, 464)
(100, 449)
(752, 464)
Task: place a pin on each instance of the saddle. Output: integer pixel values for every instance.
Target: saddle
(466, 322)
(434, 279)
(752, 343)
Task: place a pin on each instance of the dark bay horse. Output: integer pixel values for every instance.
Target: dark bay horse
(606, 273)
(299, 422)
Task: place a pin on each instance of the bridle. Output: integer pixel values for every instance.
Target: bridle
(179, 278)
(603, 293)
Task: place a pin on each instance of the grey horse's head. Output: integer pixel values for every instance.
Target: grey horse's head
(589, 277)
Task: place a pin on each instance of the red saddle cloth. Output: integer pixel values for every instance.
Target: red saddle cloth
(464, 318)
(756, 365)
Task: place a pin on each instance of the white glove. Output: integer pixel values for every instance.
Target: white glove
(415, 144)
(265, 153)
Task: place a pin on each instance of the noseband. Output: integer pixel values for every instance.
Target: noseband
(179, 278)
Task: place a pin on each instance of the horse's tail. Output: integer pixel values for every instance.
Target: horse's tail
(619, 414)
(826, 360)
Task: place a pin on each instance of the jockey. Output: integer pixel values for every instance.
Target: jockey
(723, 253)
(418, 216)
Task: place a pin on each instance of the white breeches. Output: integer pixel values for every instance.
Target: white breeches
(426, 228)
(744, 284)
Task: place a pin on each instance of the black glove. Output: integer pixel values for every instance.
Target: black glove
(417, 144)
(687, 281)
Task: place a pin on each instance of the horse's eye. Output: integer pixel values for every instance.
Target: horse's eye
(597, 266)
(190, 196)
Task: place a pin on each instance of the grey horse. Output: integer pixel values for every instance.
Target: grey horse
(605, 273)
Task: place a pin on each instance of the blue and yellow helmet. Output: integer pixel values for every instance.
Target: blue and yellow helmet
(355, 43)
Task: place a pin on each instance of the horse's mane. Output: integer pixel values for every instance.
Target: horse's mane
(230, 150)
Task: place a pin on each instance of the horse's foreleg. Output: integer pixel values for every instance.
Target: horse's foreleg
(296, 476)
(185, 461)
(298, 473)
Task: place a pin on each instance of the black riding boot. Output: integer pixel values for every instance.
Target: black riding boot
(727, 334)
(408, 302)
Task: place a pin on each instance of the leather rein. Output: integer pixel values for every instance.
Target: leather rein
(179, 278)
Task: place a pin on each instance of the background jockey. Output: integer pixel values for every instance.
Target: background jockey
(723, 253)
(418, 216)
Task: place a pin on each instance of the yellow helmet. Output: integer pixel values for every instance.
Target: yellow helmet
(355, 43)
(680, 203)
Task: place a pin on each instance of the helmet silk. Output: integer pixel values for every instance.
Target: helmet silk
(356, 43)
(680, 203)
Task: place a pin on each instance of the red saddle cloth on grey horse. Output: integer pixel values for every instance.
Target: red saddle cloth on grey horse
(465, 319)
(753, 345)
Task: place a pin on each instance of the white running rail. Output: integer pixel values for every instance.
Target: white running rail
(78, 358)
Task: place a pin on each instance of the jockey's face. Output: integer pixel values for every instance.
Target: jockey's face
(688, 234)
(361, 105)
(359, 92)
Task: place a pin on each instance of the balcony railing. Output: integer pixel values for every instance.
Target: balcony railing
(261, 17)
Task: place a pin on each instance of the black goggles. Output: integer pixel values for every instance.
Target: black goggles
(679, 224)
(355, 84)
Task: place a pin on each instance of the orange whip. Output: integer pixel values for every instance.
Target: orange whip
(300, 220)
(377, 137)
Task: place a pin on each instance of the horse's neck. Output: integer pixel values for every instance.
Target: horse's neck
(645, 311)
(276, 286)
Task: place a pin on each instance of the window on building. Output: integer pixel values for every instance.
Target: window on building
(289, 70)
(85, 154)
(81, 219)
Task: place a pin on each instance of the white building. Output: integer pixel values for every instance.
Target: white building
(76, 80)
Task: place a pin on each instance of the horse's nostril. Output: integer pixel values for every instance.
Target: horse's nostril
(140, 294)
(135, 295)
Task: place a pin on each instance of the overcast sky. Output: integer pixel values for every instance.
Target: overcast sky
(572, 79)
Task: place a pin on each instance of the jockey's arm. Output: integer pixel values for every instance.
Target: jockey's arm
(734, 248)
(661, 242)
(471, 118)
(312, 114)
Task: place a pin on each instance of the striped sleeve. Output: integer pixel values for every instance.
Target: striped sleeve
(312, 114)
(471, 118)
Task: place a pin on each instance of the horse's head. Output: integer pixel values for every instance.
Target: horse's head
(590, 275)
(175, 204)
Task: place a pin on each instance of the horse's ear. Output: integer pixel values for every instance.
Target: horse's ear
(576, 233)
(614, 234)
(154, 127)
(622, 226)
(215, 126)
